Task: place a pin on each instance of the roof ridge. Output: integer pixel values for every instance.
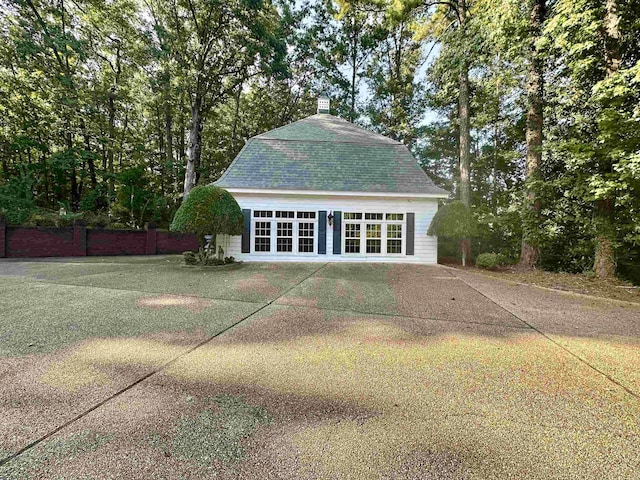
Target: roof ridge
(283, 126)
(383, 139)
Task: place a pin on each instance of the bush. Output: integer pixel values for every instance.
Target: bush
(208, 210)
(201, 257)
(101, 220)
(44, 218)
(16, 200)
(456, 222)
(190, 258)
(489, 260)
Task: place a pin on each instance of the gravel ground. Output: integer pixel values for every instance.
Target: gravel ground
(360, 371)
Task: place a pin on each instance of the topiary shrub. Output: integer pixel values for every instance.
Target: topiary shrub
(489, 261)
(208, 210)
(455, 221)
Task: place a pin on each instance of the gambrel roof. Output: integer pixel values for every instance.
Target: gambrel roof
(327, 153)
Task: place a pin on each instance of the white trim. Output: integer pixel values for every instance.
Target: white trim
(333, 193)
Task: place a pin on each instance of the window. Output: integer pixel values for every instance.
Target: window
(262, 214)
(285, 214)
(263, 237)
(373, 233)
(352, 238)
(284, 240)
(305, 237)
(284, 231)
(374, 238)
(394, 238)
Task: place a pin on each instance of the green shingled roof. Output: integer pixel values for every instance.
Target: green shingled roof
(323, 152)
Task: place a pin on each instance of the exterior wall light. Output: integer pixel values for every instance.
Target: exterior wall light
(330, 218)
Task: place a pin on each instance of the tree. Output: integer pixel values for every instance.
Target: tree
(449, 23)
(535, 122)
(217, 46)
(209, 210)
(454, 221)
(347, 33)
(396, 106)
(593, 153)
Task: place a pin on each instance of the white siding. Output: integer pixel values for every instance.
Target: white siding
(425, 247)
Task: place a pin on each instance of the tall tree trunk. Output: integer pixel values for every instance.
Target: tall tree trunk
(168, 134)
(194, 149)
(90, 163)
(45, 176)
(535, 121)
(604, 264)
(354, 72)
(465, 131)
(74, 198)
(111, 141)
(236, 114)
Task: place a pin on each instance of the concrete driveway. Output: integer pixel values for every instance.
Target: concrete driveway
(140, 368)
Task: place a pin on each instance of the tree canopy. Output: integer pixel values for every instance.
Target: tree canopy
(526, 111)
(209, 210)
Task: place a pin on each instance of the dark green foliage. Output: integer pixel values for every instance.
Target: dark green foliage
(209, 210)
(191, 258)
(16, 200)
(204, 258)
(489, 260)
(453, 220)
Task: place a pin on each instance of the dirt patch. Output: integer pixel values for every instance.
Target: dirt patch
(190, 302)
(257, 283)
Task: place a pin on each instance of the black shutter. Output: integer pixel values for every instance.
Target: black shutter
(322, 232)
(411, 232)
(246, 235)
(337, 232)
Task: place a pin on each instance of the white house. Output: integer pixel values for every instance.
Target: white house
(323, 189)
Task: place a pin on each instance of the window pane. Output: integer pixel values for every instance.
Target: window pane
(352, 238)
(352, 216)
(263, 237)
(263, 229)
(305, 237)
(306, 214)
(394, 231)
(373, 246)
(352, 230)
(394, 246)
(374, 230)
(285, 244)
(283, 214)
(285, 229)
(395, 216)
(284, 241)
(305, 245)
(352, 245)
(263, 213)
(263, 244)
(373, 216)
